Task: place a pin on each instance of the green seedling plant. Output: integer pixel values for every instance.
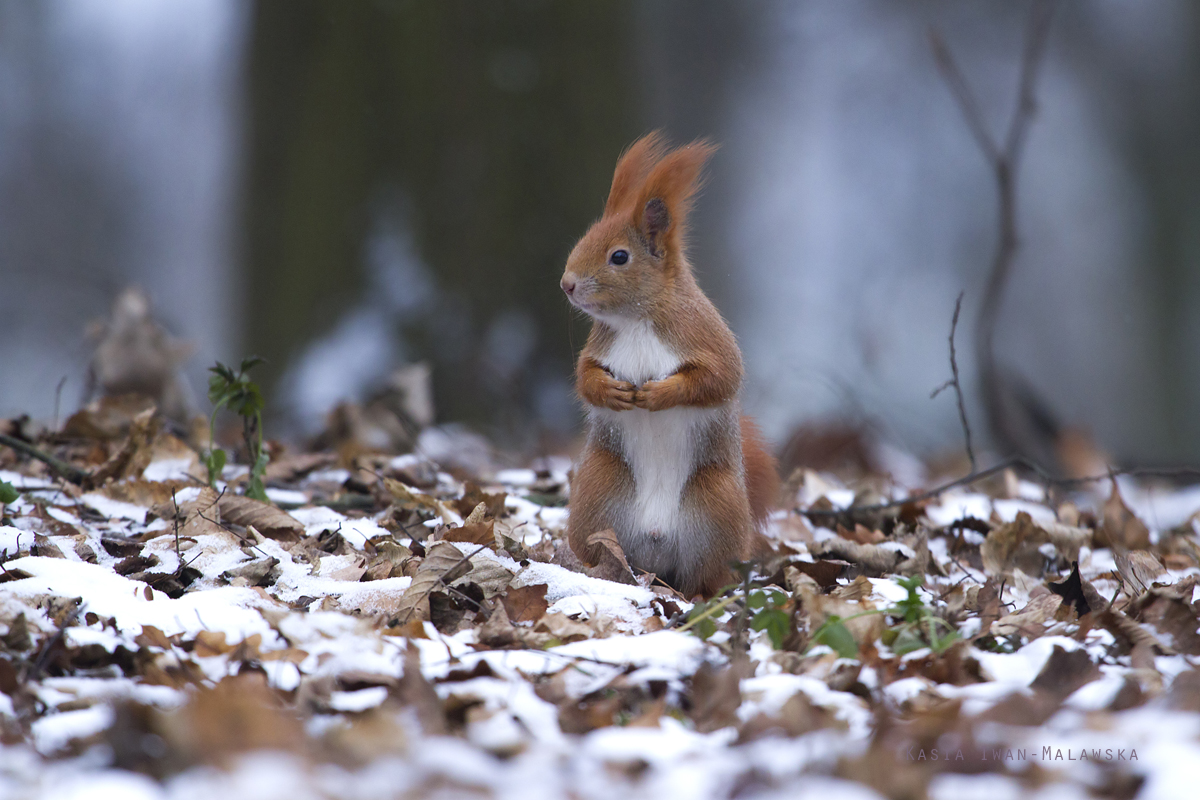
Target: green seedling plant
(8, 493)
(917, 626)
(235, 391)
(769, 607)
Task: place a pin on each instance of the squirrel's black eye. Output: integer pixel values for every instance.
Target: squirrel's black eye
(619, 257)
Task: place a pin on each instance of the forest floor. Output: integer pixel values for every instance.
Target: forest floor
(404, 628)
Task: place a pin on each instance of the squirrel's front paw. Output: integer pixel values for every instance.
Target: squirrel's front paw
(618, 395)
(657, 395)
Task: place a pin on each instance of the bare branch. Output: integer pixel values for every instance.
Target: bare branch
(967, 103)
(57, 466)
(962, 408)
(1036, 34)
(1004, 162)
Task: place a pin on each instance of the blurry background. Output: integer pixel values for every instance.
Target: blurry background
(345, 188)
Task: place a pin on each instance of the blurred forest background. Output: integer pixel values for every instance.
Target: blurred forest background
(347, 188)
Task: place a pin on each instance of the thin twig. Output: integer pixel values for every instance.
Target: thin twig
(58, 466)
(967, 104)
(1003, 158)
(958, 392)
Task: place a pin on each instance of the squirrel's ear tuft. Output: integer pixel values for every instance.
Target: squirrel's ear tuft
(632, 169)
(666, 196)
(656, 221)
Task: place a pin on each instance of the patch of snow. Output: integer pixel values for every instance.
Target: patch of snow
(228, 609)
(356, 532)
(107, 785)
(1007, 510)
(957, 505)
(187, 494)
(53, 732)
(10, 540)
(287, 496)
(561, 582)
(679, 651)
(63, 516)
(989, 786)
(168, 469)
(1097, 694)
(338, 476)
(361, 700)
(1020, 668)
(114, 508)
(25, 482)
(521, 478)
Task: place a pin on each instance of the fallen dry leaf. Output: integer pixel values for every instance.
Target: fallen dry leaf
(1121, 526)
(264, 517)
(612, 565)
(442, 564)
(526, 603)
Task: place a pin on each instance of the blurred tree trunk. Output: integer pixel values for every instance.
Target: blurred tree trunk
(497, 123)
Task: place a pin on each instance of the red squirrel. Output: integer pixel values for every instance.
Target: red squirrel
(669, 464)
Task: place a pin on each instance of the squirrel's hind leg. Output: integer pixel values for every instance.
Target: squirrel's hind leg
(715, 496)
(602, 480)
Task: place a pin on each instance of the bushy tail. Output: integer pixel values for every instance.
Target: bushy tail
(762, 474)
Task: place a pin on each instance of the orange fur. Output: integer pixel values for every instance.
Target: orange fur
(659, 344)
(762, 473)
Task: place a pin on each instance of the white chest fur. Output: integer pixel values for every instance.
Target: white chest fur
(660, 446)
(637, 354)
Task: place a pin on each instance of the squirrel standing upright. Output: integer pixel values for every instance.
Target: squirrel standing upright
(670, 464)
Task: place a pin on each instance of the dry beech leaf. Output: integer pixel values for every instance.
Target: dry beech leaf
(211, 643)
(824, 572)
(1065, 671)
(563, 628)
(1121, 526)
(872, 558)
(1031, 620)
(1168, 610)
(240, 714)
(473, 496)
(473, 533)
(716, 695)
(152, 637)
(1138, 568)
(293, 466)
(526, 603)
(1014, 545)
(491, 577)
(418, 693)
(861, 534)
(611, 565)
(443, 562)
(266, 518)
(409, 499)
(155, 495)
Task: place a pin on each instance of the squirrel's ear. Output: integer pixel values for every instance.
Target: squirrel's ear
(666, 196)
(632, 169)
(655, 222)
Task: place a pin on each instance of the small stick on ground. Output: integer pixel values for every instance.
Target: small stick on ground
(978, 475)
(57, 466)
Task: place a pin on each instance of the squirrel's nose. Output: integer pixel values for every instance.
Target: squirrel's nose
(568, 285)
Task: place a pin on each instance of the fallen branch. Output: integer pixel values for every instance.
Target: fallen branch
(978, 475)
(59, 467)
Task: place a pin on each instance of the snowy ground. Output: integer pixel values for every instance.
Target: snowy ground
(164, 641)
